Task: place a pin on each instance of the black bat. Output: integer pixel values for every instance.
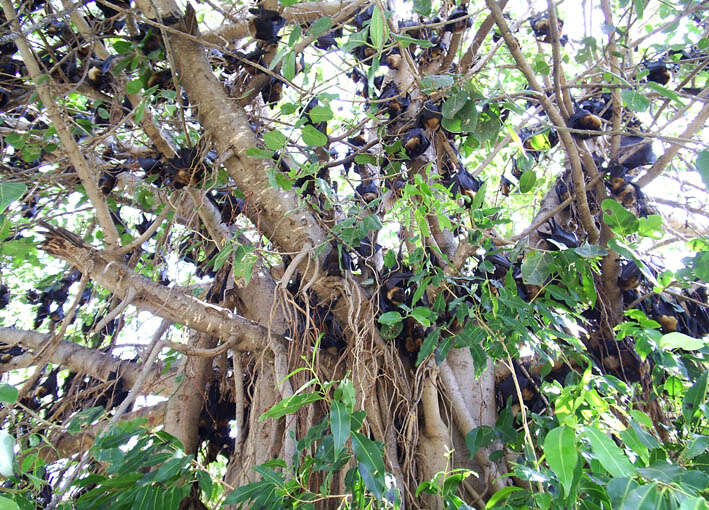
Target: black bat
(415, 142)
(585, 120)
(559, 238)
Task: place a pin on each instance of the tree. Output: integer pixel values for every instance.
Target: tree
(354, 254)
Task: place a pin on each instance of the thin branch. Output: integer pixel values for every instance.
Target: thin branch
(655, 170)
(478, 39)
(127, 300)
(564, 106)
(138, 241)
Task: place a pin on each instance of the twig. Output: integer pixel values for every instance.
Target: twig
(138, 241)
(130, 295)
(660, 165)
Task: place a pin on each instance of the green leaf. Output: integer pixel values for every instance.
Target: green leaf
(540, 64)
(175, 496)
(274, 140)
(442, 349)
(502, 495)
(702, 165)
(695, 397)
(289, 108)
(312, 137)
(320, 113)
(205, 482)
(700, 265)
(452, 125)
(122, 46)
(429, 343)
(375, 484)
(172, 467)
(423, 7)
(7, 454)
(454, 103)
(378, 29)
(345, 393)
(538, 142)
(85, 417)
(25, 248)
(618, 218)
(468, 116)
(536, 267)
(281, 180)
(698, 446)
(320, 26)
(645, 497)
(140, 111)
(694, 503)
(222, 256)
(479, 437)
(527, 181)
(289, 66)
(294, 35)
(644, 436)
(255, 152)
(422, 315)
(290, 405)
(650, 226)
(662, 472)
(589, 251)
(390, 318)
(628, 253)
(366, 159)
(244, 260)
(31, 153)
(420, 290)
(676, 340)
(608, 454)
(134, 86)
(632, 441)
(406, 40)
(479, 197)
(663, 91)
(8, 504)
(9, 192)
(432, 82)
(639, 6)
(561, 452)
(634, 100)
(8, 394)
(369, 455)
(340, 425)
(16, 140)
(619, 489)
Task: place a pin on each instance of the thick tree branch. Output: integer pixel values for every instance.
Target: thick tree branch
(300, 13)
(478, 38)
(89, 361)
(170, 304)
